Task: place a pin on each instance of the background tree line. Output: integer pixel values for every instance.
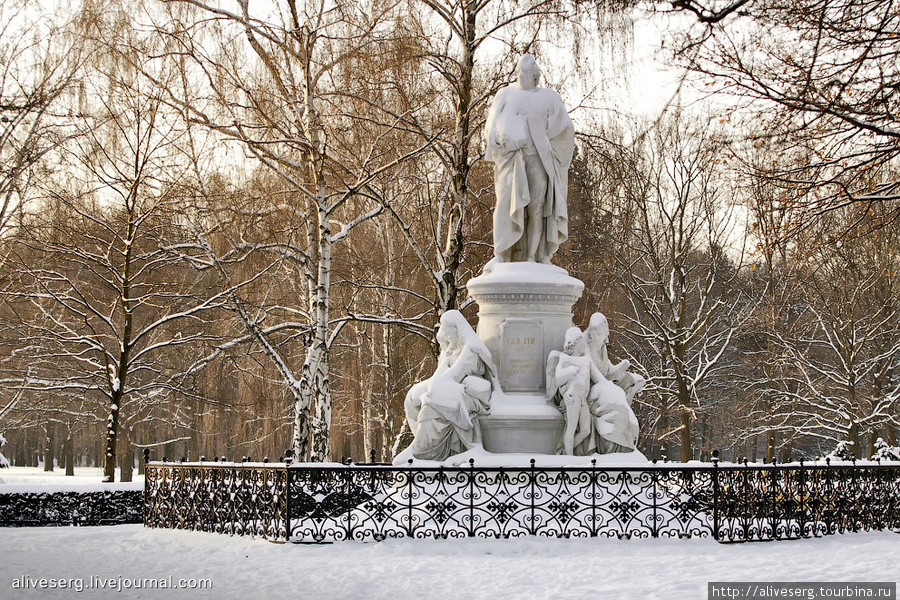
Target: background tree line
(229, 229)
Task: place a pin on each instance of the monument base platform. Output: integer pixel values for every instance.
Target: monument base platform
(521, 423)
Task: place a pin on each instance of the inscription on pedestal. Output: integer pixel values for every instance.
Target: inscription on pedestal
(522, 368)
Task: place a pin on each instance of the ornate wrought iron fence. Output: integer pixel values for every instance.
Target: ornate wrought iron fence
(221, 498)
(311, 503)
(787, 502)
(374, 503)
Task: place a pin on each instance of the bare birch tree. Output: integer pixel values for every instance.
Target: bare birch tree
(278, 90)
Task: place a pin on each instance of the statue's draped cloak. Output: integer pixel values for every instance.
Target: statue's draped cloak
(514, 114)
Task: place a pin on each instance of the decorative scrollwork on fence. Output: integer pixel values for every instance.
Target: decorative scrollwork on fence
(374, 503)
(790, 502)
(239, 500)
(310, 503)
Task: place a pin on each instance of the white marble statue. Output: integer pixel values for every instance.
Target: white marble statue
(597, 410)
(614, 421)
(530, 140)
(610, 400)
(442, 411)
(597, 337)
(570, 375)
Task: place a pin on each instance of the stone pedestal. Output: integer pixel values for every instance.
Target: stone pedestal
(524, 312)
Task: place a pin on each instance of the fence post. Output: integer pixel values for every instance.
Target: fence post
(593, 497)
(743, 502)
(855, 516)
(287, 502)
(532, 530)
(471, 474)
(145, 512)
(801, 501)
(654, 492)
(774, 498)
(409, 499)
(346, 470)
(715, 474)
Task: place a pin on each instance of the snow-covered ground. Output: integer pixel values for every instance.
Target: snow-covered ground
(522, 569)
(404, 569)
(86, 479)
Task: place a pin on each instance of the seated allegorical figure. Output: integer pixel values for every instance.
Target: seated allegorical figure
(610, 399)
(597, 337)
(614, 421)
(598, 412)
(442, 411)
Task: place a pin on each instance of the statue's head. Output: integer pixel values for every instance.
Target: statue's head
(527, 72)
(599, 327)
(449, 330)
(445, 335)
(574, 342)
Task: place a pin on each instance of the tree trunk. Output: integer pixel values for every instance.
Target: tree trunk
(112, 428)
(317, 372)
(127, 462)
(117, 383)
(385, 412)
(21, 458)
(853, 438)
(69, 453)
(662, 428)
(315, 369)
(786, 452)
(771, 446)
(194, 453)
(705, 450)
(48, 449)
(451, 257)
(687, 452)
(368, 426)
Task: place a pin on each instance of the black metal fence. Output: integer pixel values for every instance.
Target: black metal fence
(220, 498)
(310, 503)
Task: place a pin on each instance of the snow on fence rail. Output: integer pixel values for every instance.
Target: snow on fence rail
(324, 503)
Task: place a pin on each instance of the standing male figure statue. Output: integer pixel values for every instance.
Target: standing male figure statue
(530, 139)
